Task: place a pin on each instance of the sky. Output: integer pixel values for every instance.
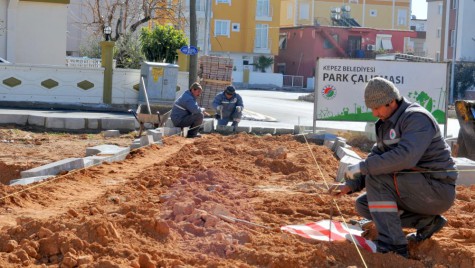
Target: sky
(419, 8)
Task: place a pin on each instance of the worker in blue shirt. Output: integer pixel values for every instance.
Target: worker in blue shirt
(228, 105)
(187, 113)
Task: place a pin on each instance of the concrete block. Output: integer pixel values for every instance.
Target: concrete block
(93, 160)
(342, 152)
(75, 123)
(122, 124)
(466, 168)
(344, 162)
(54, 168)
(156, 134)
(111, 133)
(208, 125)
(316, 137)
(135, 144)
(29, 180)
(246, 129)
(55, 123)
(169, 131)
(107, 150)
(263, 130)
(36, 120)
(146, 140)
(329, 144)
(339, 142)
(284, 131)
(226, 130)
(64, 123)
(92, 123)
(169, 124)
(18, 119)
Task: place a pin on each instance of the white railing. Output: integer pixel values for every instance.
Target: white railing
(293, 81)
(85, 62)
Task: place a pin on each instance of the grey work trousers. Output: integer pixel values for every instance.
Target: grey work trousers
(418, 199)
(193, 121)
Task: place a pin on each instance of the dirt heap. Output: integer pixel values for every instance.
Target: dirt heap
(217, 201)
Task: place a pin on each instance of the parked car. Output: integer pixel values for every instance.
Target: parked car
(2, 60)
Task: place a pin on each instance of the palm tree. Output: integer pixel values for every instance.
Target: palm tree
(263, 63)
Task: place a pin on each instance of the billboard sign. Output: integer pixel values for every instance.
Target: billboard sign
(340, 84)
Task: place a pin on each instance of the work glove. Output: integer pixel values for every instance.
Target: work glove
(202, 110)
(219, 108)
(238, 109)
(352, 171)
(339, 189)
(237, 120)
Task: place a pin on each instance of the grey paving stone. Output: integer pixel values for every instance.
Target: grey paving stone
(111, 133)
(18, 119)
(342, 152)
(54, 168)
(106, 149)
(29, 180)
(466, 168)
(344, 162)
(36, 120)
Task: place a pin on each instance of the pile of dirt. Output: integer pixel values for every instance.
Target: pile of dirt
(217, 201)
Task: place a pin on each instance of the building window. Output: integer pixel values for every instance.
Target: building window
(454, 4)
(303, 11)
(223, 1)
(439, 31)
(439, 11)
(283, 41)
(402, 17)
(262, 36)
(383, 41)
(328, 44)
(437, 56)
(290, 11)
(263, 8)
(221, 28)
(373, 13)
(452, 38)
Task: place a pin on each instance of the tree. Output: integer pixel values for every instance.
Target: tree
(161, 43)
(126, 16)
(128, 53)
(263, 63)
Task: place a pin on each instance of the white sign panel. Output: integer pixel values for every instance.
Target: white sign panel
(340, 85)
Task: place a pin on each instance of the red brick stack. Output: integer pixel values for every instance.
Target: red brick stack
(216, 75)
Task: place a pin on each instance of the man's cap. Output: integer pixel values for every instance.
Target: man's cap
(230, 90)
(379, 92)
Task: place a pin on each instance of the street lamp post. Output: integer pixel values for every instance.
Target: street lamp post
(107, 48)
(107, 32)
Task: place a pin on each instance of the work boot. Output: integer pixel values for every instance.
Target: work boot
(383, 247)
(192, 136)
(427, 231)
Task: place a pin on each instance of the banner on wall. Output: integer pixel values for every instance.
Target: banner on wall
(340, 83)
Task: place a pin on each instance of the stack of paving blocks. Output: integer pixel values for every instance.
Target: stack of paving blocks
(216, 75)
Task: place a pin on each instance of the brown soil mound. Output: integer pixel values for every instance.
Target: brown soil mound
(217, 201)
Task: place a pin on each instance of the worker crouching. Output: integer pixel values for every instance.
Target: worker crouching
(229, 106)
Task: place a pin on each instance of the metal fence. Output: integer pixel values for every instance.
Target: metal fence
(293, 81)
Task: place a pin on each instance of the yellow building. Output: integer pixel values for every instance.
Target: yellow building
(244, 30)
(381, 14)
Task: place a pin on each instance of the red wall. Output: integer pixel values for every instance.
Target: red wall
(305, 45)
